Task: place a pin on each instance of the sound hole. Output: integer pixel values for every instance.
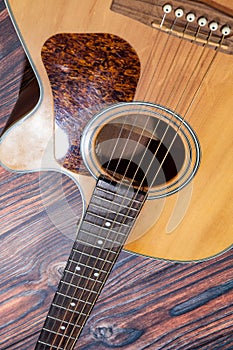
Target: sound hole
(146, 152)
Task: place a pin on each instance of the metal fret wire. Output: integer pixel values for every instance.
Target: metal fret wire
(169, 123)
(196, 93)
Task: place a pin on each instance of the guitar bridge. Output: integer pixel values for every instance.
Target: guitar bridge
(191, 20)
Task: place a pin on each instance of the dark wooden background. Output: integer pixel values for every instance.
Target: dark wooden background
(146, 303)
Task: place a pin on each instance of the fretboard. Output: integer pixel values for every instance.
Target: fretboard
(106, 225)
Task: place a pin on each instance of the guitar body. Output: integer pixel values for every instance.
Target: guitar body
(195, 222)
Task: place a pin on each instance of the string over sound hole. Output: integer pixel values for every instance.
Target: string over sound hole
(144, 158)
(142, 144)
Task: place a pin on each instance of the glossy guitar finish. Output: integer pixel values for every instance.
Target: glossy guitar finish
(196, 222)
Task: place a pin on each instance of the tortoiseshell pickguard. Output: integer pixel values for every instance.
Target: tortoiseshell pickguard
(87, 72)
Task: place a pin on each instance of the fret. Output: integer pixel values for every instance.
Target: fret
(45, 345)
(67, 309)
(91, 217)
(75, 277)
(115, 195)
(107, 237)
(92, 251)
(73, 265)
(61, 298)
(94, 244)
(106, 203)
(101, 236)
(73, 316)
(61, 321)
(75, 285)
(82, 259)
(87, 254)
(57, 341)
(103, 229)
(121, 215)
(110, 186)
(76, 292)
(112, 208)
(57, 333)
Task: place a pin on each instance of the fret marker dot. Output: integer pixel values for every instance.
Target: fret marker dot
(72, 304)
(100, 241)
(96, 274)
(107, 224)
(78, 268)
(63, 328)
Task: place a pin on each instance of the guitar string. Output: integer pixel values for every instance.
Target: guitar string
(193, 99)
(115, 219)
(153, 134)
(110, 251)
(121, 131)
(148, 87)
(148, 118)
(149, 59)
(102, 268)
(155, 71)
(191, 103)
(169, 123)
(173, 92)
(173, 66)
(198, 89)
(184, 118)
(200, 85)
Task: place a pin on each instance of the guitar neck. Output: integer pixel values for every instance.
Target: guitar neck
(106, 225)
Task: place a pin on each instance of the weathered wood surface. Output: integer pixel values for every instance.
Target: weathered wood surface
(146, 303)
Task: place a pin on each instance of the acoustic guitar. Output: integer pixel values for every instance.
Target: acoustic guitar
(135, 106)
